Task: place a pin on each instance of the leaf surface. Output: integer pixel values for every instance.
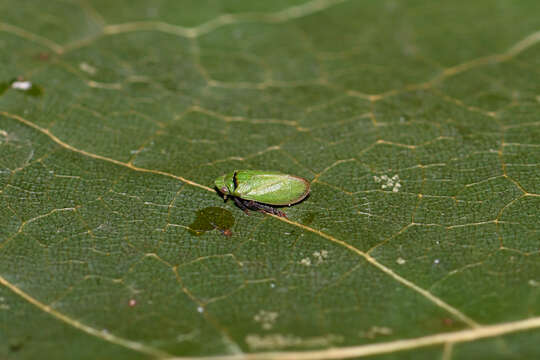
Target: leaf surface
(415, 122)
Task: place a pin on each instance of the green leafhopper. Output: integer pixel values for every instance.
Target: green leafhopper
(257, 189)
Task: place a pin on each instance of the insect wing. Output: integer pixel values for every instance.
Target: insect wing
(270, 188)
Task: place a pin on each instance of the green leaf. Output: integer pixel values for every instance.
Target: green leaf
(415, 122)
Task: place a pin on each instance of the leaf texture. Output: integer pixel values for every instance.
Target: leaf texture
(415, 122)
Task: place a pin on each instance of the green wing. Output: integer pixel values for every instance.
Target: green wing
(270, 187)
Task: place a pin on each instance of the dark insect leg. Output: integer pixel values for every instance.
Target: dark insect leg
(235, 180)
(264, 208)
(241, 205)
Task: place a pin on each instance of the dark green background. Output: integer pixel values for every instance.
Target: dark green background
(136, 106)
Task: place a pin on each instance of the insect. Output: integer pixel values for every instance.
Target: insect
(262, 190)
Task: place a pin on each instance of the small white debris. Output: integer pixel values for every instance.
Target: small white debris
(320, 256)
(400, 261)
(280, 341)
(187, 337)
(272, 285)
(3, 306)
(87, 68)
(4, 136)
(200, 309)
(388, 183)
(375, 331)
(534, 283)
(266, 319)
(21, 85)
(436, 261)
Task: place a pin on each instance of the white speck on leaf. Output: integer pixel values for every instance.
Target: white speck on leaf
(3, 306)
(200, 309)
(400, 261)
(374, 331)
(320, 256)
(87, 68)
(388, 183)
(187, 337)
(280, 341)
(21, 85)
(266, 319)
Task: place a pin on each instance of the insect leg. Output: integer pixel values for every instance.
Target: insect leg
(235, 180)
(240, 204)
(265, 208)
